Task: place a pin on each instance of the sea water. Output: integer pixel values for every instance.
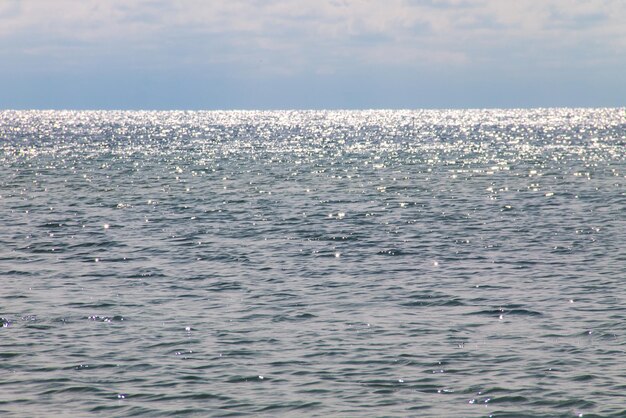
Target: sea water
(313, 263)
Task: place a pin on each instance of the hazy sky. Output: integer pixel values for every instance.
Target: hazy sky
(278, 54)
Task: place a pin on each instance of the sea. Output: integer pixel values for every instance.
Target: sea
(388, 263)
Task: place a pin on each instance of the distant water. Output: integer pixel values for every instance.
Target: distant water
(331, 263)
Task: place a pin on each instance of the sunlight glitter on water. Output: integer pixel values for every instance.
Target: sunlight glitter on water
(215, 263)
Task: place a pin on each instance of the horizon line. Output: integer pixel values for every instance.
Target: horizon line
(313, 109)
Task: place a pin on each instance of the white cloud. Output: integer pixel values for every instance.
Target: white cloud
(321, 35)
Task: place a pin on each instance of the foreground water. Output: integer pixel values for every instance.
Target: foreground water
(374, 263)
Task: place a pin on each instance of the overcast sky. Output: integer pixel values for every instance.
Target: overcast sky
(279, 54)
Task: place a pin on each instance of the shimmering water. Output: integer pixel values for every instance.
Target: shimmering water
(361, 263)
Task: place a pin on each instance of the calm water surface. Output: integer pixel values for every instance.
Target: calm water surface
(330, 263)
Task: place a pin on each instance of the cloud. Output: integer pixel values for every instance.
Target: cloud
(300, 39)
(292, 35)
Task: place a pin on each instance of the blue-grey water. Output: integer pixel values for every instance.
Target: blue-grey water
(313, 263)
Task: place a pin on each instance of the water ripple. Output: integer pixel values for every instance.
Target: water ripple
(315, 263)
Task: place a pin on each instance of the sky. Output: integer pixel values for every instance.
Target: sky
(311, 54)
